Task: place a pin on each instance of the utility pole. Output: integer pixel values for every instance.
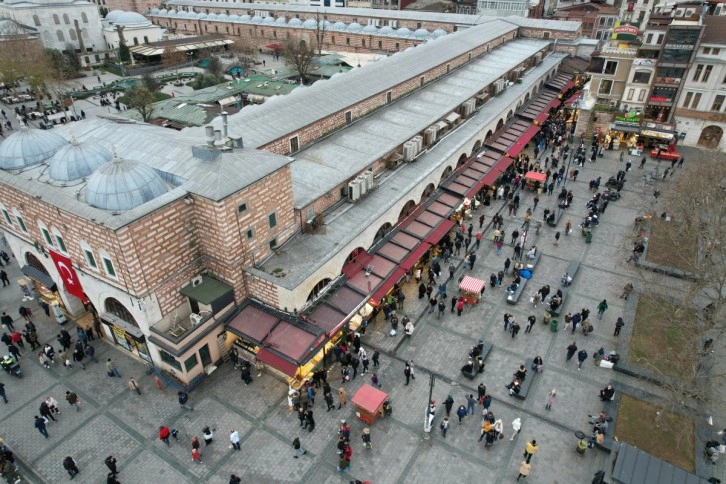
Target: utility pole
(429, 417)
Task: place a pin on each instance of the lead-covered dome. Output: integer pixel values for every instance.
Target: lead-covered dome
(29, 147)
(77, 160)
(123, 185)
(132, 18)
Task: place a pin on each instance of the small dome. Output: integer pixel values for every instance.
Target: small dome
(163, 12)
(222, 16)
(153, 11)
(339, 26)
(171, 12)
(355, 27)
(256, 19)
(268, 20)
(133, 18)
(421, 33)
(29, 147)
(182, 14)
(123, 185)
(212, 16)
(110, 16)
(281, 21)
(234, 17)
(310, 23)
(327, 25)
(201, 16)
(370, 29)
(385, 30)
(295, 22)
(245, 18)
(403, 32)
(439, 33)
(77, 160)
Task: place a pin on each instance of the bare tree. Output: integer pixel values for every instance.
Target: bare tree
(139, 97)
(172, 58)
(246, 52)
(299, 54)
(23, 57)
(320, 27)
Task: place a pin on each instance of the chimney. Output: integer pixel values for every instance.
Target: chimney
(209, 131)
(224, 124)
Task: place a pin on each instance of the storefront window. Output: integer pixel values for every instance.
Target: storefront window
(169, 360)
(191, 362)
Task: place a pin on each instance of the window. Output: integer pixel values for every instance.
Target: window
(696, 100)
(718, 103)
(294, 144)
(707, 73)
(649, 39)
(242, 207)
(108, 264)
(272, 220)
(706, 50)
(72, 34)
(421, 81)
(250, 234)
(88, 254)
(191, 362)
(60, 36)
(641, 77)
(59, 240)
(687, 101)
(398, 46)
(698, 72)
(469, 55)
(610, 67)
(56, 19)
(7, 217)
(715, 51)
(84, 17)
(46, 235)
(347, 41)
(448, 68)
(380, 44)
(641, 95)
(389, 96)
(169, 360)
(602, 21)
(20, 220)
(348, 117)
(36, 20)
(631, 93)
(546, 35)
(66, 20)
(606, 86)
(363, 42)
(273, 243)
(343, 192)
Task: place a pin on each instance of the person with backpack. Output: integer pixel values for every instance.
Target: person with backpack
(183, 399)
(366, 438)
(297, 447)
(70, 465)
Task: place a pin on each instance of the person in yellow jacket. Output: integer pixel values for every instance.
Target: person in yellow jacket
(530, 449)
(485, 429)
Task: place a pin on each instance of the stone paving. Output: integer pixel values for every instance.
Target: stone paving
(115, 421)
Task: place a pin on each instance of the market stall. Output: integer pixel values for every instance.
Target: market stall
(535, 180)
(369, 402)
(471, 289)
(665, 152)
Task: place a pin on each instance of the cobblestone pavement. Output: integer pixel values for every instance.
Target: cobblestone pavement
(112, 420)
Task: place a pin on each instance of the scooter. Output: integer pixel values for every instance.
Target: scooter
(11, 366)
(612, 196)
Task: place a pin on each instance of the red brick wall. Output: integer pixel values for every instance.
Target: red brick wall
(140, 6)
(263, 290)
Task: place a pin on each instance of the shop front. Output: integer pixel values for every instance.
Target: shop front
(40, 281)
(624, 131)
(125, 335)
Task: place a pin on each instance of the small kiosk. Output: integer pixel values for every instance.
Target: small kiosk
(535, 180)
(368, 403)
(471, 289)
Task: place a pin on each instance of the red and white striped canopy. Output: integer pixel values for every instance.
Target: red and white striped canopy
(472, 284)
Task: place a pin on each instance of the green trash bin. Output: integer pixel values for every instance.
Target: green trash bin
(553, 325)
(588, 238)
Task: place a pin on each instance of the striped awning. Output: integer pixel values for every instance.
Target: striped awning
(472, 284)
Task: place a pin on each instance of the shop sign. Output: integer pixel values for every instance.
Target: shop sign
(626, 29)
(679, 46)
(644, 62)
(630, 118)
(667, 80)
(660, 100)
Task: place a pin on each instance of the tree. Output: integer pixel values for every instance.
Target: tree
(124, 54)
(139, 97)
(246, 52)
(150, 83)
(299, 54)
(23, 57)
(320, 27)
(172, 58)
(214, 66)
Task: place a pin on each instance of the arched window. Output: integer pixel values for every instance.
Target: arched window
(114, 307)
(72, 34)
(84, 33)
(6, 215)
(84, 17)
(107, 263)
(36, 20)
(60, 242)
(146, 39)
(47, 37)
(61, 38)
(46, 233)
(56, 19)
(88, 255)
(66, 20)
(136, 41)
(35, 262)
(21, 222)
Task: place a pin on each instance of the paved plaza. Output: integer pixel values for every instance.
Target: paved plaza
(115, 421)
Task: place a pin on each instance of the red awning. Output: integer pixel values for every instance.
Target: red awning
(567, 86)
(542, 117)
(573, 99)
(472, 284)
(369, 398)
(414, 256)
(386, 285)
(287, 367)
(528, 135)
(535, 176)
(438, 233)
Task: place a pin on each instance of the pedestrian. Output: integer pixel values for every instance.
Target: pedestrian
(551, 399)
(111, 464)
(297, 448)
(78, 356)
(481, 221)
(524, 469)
(571, 350)
(568, 228)
(133, 386)
(309, 421)
(581, 357)
(460, 306)
(374, 358)
(461, 413)
(234, 480)
(407, 372)
(40, 425)
(90, 352)
(2, 392)
(557, 238)
(454, 299)
(442, 308)
(516, 427)
(164, 434)
(366, 438)
(618, 326)
(507, 263)
(471, 404)
(17, 339)
(530, 449)
(183, 399)
(73, 400)
(82, 336)
(628, 165)
(449, 404)
(601, 308)
(196, 455)
(234, 439)
(444, 426)
(342, 397)
(111, 368)
(532, 318)
(70, 465)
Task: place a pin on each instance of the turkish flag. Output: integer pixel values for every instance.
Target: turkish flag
(68, 274)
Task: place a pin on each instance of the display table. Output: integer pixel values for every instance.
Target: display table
(368, 403)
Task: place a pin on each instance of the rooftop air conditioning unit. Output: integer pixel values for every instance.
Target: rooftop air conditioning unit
(197, 281)
(679, 12)
(409, 151)
(468, 108)
(363, 185)
(419, 143)
(499, 86)
(368, 175)
(354, 190)
(430, 135)
(196, 319)
(538, 58)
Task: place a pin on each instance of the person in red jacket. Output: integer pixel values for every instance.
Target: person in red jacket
(164, 433)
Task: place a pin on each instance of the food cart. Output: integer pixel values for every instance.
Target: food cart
(368, 403)
(535, 180)
(664, 152)
(471, 289)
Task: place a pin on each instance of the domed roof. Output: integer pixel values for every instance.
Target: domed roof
(111, 16)
(234, 17)
(245, 18)
(171, 12)
(403, 32)
(339, 26)
(295, 22)
(439, 33)
(310, 23)
(212, 16)
(268, 20)
(222, 16)
(421, 33)
(256, 19)
(281, 21)
(182, 14)
(385, 30)
(355, 27)
(153, 11)
(201, 16)
(123, 185)
(77, 160)
(370, 29)
(132, 18)
(327, 25)
(29, 147)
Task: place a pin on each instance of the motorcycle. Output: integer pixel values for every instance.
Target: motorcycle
(614, 183)
(10, 365)
(612, 196)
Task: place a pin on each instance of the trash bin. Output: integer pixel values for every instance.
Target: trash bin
(588, 238)
(581, 447)
(553, 325)
(547, 318)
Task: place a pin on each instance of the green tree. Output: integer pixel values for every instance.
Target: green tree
(124, 54)
(139, 97)
(214, 66)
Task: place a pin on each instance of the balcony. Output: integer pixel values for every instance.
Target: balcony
(608, 51)
(668, 81)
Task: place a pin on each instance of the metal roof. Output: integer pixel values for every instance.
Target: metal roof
(266, 123)
(317, 169)
(175, 110)
(77, 160)
(123, 185)
(28, 147)
(634, 466)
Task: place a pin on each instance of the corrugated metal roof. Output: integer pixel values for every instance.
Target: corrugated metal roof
(634, 466)
(269, 122)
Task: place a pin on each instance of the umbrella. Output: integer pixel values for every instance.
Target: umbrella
(526, 274)
(273, 46)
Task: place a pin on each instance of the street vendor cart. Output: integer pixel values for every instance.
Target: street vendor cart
(665, 152)
(535, 180)
(369, 403)
(471, 289)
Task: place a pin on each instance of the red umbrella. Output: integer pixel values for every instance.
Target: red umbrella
(274, 46)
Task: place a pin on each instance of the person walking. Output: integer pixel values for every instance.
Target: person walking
(40, 425)
(461, 413)
(17, 339)
(70, 465)
(111, 464)
(568, 228)
(4, 278)
(618, 326)
(183, 399)
(601, 308)
(2, 392)
(449, 404)
(530, 449)
(78, 356)
(133, 386)
(45, 411)
(407, 372)
(551, 399)
(111, 368)
(234, 439)
(571, 350)
(164, 434)
(90, 353)
(366, 438)
(297, 448)
(524, 468)
(342, 397)
(444, 426)
(581, 357)
(53, 405)
(557, 238)
(460, 306)
(516, 428)
(374, 358)
(73, 400)
(507, 263)
(470, 404)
